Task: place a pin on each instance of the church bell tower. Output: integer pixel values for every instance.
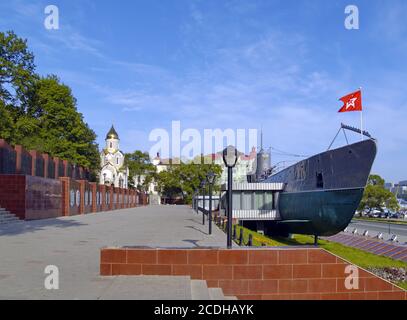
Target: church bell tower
(112, 141)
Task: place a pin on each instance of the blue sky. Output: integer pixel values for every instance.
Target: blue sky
(233, 64)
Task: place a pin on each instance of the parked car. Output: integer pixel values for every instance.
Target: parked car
(375, 214)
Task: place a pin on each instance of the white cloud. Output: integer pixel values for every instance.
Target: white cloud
(73, 40)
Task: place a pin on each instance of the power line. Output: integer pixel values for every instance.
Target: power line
(288, 154)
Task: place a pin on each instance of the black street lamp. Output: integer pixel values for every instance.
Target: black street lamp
(196, 198)
(197, 202)
(193, 200)
(211, 179)
(229, 158)
(203, 200)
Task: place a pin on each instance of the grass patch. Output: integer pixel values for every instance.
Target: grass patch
(258, 239)
(402, 285)
(358, 257)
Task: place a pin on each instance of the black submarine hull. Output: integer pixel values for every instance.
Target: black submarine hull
(323, 192)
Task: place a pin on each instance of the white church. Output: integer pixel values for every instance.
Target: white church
(113, 172)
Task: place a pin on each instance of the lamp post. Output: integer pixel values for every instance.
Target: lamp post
(211, 179)
(230, 159)
(203, 201)
(195, 200)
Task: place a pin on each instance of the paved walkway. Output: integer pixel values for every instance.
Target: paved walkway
(73, 245)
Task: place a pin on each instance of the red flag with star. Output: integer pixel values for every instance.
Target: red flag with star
(352, 102)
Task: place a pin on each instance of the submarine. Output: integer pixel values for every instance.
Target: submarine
(322, 193)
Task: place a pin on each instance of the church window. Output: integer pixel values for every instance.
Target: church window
(111, 145)
(117, 161)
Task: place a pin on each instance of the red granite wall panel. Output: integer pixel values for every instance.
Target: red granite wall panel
(68, 169)
(7, 158)
(43, 198)
(74, 206)
(65, 195)
(137, 198)
(23, 161)
(30, 197)
(75, 172)
(104, 194)
(134, 198)
(71, 196)
(49, 166)
(59, 167)
(37, 163)
(94, 196)
(109, 198)
(116, 198)
(113, 199)
(86, 201)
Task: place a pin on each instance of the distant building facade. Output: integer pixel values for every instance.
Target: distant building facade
(399, 189)
(245, 165)
(113, 171)
(152, 187)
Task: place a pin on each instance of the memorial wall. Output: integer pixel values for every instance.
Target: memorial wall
(37, 186)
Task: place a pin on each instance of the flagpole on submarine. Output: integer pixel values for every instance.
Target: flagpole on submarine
(361, 117)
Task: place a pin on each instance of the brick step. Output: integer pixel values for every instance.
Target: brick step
(216, 294)
(200, 291)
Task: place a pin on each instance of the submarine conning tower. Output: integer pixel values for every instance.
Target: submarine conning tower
(263, 161)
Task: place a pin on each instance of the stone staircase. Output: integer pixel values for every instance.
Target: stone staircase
(200, 291)
(148, 287)
(6, 217)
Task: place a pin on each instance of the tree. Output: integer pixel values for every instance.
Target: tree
(53, 125)
(139, 164)
(6, 122)
(40, 113)
(376, 197)
(17, 71)
(184, 179)
(16, 81)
